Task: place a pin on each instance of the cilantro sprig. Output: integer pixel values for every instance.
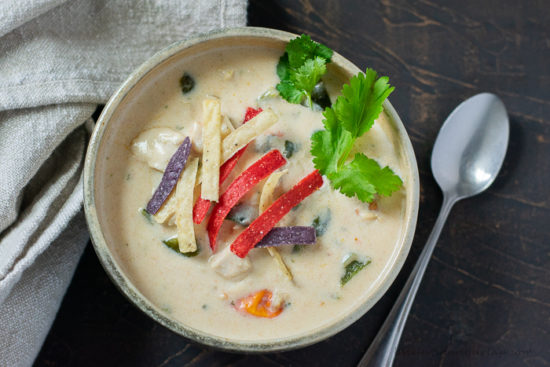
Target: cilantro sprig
(351, 116)
(301, 68)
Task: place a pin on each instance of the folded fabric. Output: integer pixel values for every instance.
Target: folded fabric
(59, 60)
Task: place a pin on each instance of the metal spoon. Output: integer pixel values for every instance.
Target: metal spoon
(466, 158)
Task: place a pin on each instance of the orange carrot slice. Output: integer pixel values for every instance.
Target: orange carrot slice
(259, 304)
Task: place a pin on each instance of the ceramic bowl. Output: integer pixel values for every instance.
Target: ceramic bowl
(107, 126)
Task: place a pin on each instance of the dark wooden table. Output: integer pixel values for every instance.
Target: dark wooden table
(485, 299)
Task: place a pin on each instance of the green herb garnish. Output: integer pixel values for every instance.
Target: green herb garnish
(301, 68)
(173, 244)
(352, 269)
(351, 116)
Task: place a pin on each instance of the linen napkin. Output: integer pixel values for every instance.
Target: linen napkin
(59, 59)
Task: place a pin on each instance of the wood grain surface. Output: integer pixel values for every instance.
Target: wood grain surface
(485, 299)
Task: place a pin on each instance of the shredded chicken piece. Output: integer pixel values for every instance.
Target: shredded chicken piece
(229, 265)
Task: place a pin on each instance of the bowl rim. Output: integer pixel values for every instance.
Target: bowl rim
(126, 287)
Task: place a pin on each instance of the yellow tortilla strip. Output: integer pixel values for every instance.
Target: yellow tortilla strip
(227, 126)
(239, 137)
(184, 213)
(211, 151)
(266, 199)
(167, 210)
(279, 260)
(245, 133)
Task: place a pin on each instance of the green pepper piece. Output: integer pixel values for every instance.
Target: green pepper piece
(352, 269)
(290, 148)
(173, 244)
(321, 222)
(187, 83)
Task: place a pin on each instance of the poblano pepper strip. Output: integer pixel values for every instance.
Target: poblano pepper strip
(352, 269)
(173, 244)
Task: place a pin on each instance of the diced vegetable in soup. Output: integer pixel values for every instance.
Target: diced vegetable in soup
(284, 195)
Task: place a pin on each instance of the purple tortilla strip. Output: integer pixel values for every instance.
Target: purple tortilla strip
(170, 177)
(288, 236)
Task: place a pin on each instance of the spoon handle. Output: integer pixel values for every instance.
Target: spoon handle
(381, 352)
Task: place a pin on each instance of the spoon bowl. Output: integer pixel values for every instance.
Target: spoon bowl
(471, 145)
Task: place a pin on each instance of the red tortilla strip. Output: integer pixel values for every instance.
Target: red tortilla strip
(259, 170)
(201, 206)
(251, 113)
(276, 211)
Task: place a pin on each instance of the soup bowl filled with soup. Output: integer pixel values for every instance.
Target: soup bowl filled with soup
(251, 190)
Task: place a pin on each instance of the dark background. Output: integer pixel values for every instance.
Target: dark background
(485, 299)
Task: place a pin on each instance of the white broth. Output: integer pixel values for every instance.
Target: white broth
(189, 289)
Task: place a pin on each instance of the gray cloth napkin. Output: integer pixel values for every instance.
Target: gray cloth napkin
(58, 60)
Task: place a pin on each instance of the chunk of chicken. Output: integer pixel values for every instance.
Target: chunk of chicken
(229, 265)
(278, 299)
(156, 146)
(367, 214)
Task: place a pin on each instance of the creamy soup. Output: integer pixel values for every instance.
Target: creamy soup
(203, 291)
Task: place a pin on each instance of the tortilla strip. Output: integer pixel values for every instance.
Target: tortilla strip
(241, 137)
(266, 199)
(184, 213)
(167, 210)
(211, 151)
(245, 133)
(279, 260)
(227, 126)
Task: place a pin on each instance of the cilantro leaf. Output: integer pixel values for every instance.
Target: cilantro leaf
(310, 73)
(361, 101)
(288, 91)
(351, 116)
(364, 177)
(331, 146)
(283, 68)
(303, 48)
(301, 68)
